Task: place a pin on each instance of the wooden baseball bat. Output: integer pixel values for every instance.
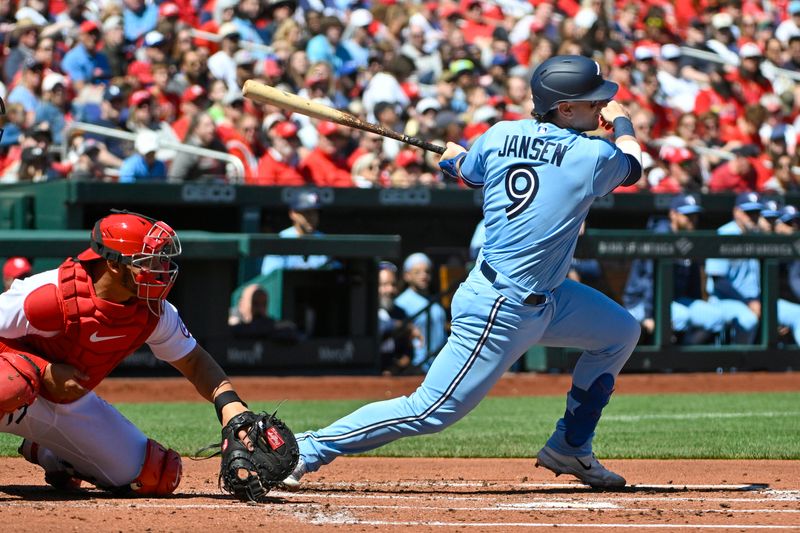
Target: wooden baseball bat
(266, 94)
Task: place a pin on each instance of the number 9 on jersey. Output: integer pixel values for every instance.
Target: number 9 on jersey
(522, 184)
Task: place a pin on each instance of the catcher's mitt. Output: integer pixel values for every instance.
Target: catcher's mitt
(249, 475)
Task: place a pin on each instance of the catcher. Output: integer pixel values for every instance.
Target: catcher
(62, 331)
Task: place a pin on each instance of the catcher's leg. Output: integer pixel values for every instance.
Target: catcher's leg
(100, 444)
(19, 381)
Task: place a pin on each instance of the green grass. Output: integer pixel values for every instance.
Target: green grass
(709, 426)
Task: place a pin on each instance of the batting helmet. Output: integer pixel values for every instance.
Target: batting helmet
(146, 245)
(568, 79)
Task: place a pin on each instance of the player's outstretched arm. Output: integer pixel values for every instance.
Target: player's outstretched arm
(211, 382)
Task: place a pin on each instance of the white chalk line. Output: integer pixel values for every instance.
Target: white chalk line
(745, 487)
(597, 496)
(345, 521)
(698, 416)
(567, 506)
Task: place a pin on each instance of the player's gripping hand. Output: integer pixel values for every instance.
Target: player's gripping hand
(450, 160)
(612, 110)
(62, 382)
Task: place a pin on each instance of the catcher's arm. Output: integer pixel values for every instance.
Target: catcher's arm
(211, 382)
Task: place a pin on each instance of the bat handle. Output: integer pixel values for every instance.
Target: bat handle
(425, 145)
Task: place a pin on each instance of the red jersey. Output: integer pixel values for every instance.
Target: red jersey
(56, 317)
(271, 171)
(324, 171)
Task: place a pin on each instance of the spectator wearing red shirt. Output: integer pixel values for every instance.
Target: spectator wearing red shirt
(279, 164)
(683, 171)
(244, 144)
(327, 163)
(738, 174)
(748, 78)
(722, 98)
(193, 101)
(474, 28)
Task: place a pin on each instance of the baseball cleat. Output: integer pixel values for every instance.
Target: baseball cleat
(292, 482)
(587, 468)
(59, 479)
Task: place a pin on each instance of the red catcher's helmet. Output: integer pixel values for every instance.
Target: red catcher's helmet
(146, 245)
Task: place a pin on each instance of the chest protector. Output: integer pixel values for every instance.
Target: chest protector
(96, 335)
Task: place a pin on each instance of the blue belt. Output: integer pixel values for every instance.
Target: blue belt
(490, 274)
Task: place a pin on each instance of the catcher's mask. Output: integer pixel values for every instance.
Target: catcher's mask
(145, 245)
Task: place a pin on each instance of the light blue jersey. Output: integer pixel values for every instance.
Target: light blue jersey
(744, 274)
(538, 181)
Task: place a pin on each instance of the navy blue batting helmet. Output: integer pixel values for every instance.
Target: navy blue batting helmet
(568, 79)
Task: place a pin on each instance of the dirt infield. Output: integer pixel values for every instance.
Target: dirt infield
(382, 494)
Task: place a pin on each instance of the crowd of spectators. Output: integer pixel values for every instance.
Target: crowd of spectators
(711, 85)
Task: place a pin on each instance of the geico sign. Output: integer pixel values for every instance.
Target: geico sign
(404, 197)
(218, 193)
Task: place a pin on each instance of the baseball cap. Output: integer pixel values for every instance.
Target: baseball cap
(112, 92)
(426, 104)
(146, 142)
(485, 113)
(326, 128)
(746, 150)
(192, 93)
(153, 38)
(16, 267)
(42, 129)
(407, 157)
(771, 209)
(316, 78)
(670, 51)
(778, 133)
(88, 147)
(794, 7)
(622, 60)
(788, 214)
(32, 63)
(112, 22)
(33, 154)
(460, 66)
(138, 97)
(51, 80)
(88, 26)
(305, 201)
(675, 154)
(749, 201)
(643, 53)
(228, 29)
(169, 9)
(285, 129)
(750, 50)
(360, 18)
(244, 57)
(685, 204)
(271, 68)
(722, 20)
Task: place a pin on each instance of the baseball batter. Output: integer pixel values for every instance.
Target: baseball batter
(539, 178)
(64, 330)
